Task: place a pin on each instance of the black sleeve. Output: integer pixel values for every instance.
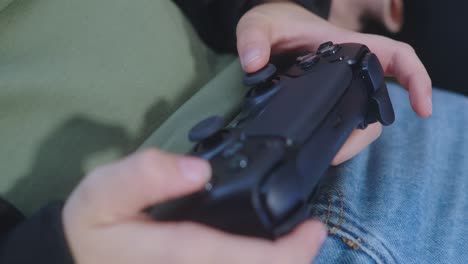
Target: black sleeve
(38, 239)
(216, 20)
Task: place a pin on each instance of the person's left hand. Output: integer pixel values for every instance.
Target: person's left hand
(104, 222)
(273, 28)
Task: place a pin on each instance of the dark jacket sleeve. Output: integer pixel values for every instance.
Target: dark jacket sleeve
(38, 239)
(216, 20)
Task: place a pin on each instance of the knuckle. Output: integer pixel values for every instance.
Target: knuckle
(377, 131)
(405, 47)
(149, 155)
(245, 21)
(253, 20)
(147, 162)
(89, 188)
(154, 168)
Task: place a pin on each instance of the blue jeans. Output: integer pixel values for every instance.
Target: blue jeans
(405, 198)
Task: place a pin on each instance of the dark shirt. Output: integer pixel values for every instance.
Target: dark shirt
(215, 20)
(436, 30)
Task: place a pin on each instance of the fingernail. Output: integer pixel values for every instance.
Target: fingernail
(250, 56)
(194, 169)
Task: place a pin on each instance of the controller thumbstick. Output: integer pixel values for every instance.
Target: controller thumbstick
(206, 128)
(261, 76)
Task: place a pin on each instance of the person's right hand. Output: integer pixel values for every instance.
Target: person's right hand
(275, 28)
(104, 223)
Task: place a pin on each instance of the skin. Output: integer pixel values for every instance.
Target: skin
(103, 220)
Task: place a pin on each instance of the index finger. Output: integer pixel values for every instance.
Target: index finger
(399, 60)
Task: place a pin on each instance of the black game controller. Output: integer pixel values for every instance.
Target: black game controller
(268, 162)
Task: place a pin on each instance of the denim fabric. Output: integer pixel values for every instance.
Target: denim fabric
(405, 198)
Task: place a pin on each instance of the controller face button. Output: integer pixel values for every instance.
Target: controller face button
(206, 128)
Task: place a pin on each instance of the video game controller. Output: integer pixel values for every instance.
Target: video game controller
(268, 162)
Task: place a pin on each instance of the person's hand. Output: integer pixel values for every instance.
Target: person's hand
(104, 223)
(273, 28)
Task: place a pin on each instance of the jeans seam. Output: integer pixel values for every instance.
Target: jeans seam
(338, 228)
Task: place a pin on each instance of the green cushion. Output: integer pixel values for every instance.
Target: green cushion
(222, 96)
(85, 82)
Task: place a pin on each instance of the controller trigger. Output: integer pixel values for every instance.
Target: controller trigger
(372, 72)
(381, 106)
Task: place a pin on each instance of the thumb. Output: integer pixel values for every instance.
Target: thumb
(122, 190)
(253, 42)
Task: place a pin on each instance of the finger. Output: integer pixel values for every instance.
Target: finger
(121, 190)
(253, 41)
(300, 246)
(411, 73)
(358, 141)
(304, 243)
(401, 61)
(398, 59)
